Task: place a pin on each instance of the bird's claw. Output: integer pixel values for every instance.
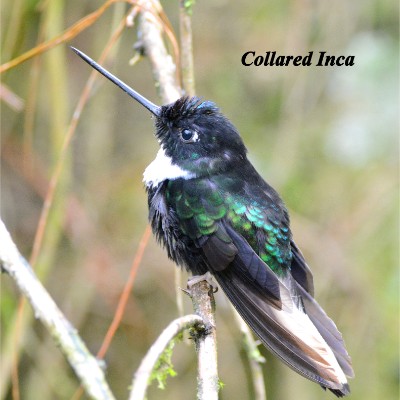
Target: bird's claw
(199, 278)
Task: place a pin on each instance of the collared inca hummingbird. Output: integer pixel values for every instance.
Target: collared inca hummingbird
(214, 213)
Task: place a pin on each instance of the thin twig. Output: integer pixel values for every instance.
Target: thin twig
(142, 376)
(185, 27)
(85, 365)
(123, 300)
(64, 151)
(10, 98)
(254, 357)
(67, 35)
(178, 291)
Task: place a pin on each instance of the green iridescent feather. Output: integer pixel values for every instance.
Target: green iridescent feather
(200, 206)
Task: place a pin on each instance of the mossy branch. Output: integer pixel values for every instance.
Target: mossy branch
(81, 360)
(150, 367)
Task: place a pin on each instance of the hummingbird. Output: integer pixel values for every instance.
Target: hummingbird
(214, 213)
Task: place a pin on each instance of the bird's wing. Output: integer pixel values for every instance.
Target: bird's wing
(300, 270)
(288, 332)
(268, 301)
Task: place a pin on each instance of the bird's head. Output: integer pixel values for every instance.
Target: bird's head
(192, 133)
(198, 137)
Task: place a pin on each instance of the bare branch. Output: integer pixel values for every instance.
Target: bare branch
(66, 337)
(185, 27)
(255, 358)
(206, 344)
(162, 64)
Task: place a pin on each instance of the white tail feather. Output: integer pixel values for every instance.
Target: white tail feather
(297, 323)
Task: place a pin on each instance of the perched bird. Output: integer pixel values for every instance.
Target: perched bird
(214, 213)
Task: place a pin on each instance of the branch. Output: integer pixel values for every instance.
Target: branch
(254, 357)
(164, 74)
(66, 337)
(185, 27)
(162, 64)
(206, 344)
(67, 35)
(148, 364)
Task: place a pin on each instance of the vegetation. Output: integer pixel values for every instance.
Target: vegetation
(325, 137)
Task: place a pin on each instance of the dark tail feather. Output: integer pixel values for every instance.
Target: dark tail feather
(328, 331)
(343, 392)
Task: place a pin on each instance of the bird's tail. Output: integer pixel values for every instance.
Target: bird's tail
(311, 346)
(328, 331)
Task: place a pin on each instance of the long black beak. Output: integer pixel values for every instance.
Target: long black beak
(138, 97)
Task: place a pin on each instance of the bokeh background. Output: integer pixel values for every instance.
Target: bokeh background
(325, 137)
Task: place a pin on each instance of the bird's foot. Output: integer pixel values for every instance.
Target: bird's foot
(199, 301)
(199, 278)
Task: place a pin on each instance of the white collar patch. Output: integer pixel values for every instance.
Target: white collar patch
(161, 168)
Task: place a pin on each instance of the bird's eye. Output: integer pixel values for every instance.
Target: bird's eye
(189, 135)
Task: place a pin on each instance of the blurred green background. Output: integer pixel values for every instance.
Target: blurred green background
(325, 137)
